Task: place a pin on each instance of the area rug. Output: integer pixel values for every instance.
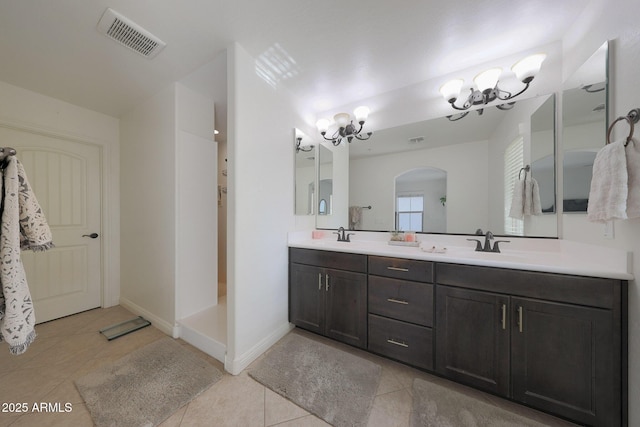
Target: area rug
(145, 387)
(437, 406)
(329, 383)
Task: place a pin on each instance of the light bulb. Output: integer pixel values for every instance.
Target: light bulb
(487, 79)
(322, 125)
(527, 68)
(451, 90)
(341, 119)
(361, 113)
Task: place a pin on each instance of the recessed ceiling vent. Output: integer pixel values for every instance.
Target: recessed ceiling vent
(416, 140)
(129, 34)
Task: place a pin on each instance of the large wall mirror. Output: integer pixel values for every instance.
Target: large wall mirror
(584, 128)
(305, 174)
(453, 177)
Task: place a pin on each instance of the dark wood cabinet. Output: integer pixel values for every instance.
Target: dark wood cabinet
(329, 301)
(562, 361)
(472, 338)
(401, 310)
(554, 354)
(554, 342)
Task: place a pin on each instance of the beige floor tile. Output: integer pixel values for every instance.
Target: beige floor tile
(277, 409)
(308, 421)
(232, 401)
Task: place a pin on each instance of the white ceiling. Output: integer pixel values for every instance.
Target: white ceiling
(339, 51)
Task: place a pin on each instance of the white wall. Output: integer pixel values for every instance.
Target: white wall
(261, 191)
(196, 225)
(27, 110)
(148, 211)
(467, 184)
(615, 20)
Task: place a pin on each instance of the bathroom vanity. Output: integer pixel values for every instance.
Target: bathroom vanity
(554, 340)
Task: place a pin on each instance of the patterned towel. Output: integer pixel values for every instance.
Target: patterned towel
(21, 220)
(34, 229)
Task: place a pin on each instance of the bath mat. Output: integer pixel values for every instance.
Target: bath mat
(434, 405)
(145, 387)
(329, 383)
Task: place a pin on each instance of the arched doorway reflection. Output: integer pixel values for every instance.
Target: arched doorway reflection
(421, 200)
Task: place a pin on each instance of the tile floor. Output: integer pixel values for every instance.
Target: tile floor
(68, 348)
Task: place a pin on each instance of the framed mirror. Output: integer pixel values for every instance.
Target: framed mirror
(470, 153)
(584, 127)
(305, 174)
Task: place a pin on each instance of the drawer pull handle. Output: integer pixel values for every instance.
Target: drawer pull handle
(401, 344)
(397, 301)
(397, 269)
(520, 318)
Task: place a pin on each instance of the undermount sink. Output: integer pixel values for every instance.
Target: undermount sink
(491, 256)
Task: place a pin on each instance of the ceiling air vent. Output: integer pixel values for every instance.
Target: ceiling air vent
(129, 34)
(416, 140)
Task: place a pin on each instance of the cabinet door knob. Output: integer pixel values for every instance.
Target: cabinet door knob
(326, 282)
(319, 281)
(504, 316)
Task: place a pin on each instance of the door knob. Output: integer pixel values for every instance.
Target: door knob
(92, 235)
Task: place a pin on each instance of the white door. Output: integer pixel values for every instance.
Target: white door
(66, 178)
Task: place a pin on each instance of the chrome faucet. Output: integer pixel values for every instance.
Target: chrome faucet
(341, 235)
(487, 243)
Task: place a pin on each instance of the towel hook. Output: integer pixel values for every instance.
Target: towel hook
(525, 169)
(631, 118)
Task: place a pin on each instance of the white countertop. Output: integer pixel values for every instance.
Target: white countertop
(547, 255)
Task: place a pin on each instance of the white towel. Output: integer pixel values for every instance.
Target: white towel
(525, 199)
(608, 194)
(633, 171)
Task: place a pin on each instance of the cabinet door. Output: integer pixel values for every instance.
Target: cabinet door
(562, 361)
(472, 338)
(307, 295)
(346, 312)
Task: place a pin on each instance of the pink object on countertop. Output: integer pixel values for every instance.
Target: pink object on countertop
(317, 234)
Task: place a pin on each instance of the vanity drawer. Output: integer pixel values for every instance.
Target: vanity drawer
(402, 341)
(337, 260)
(398, 268)
(402, 300)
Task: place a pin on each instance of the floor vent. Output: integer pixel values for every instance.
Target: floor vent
(129, 34)
(119, 329)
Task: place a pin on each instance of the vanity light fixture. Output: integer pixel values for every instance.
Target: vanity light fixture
(346, 129)
(300, 147)
(487, 89)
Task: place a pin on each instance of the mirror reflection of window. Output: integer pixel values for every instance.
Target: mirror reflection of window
(410, 213)
(322, 207)
(420, 203)
(326, 190)
(513, 163)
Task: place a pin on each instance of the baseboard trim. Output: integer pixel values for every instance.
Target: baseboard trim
(213, 348)
(163, 325)
(236, 366)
